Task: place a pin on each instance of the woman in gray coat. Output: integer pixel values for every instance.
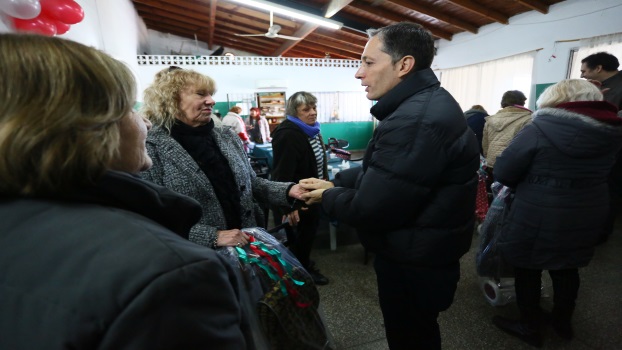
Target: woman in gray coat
(193, 156)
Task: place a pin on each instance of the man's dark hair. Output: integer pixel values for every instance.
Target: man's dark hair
(405, 38)
(513, 97)
(608, 61)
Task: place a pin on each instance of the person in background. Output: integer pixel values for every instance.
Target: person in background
(413, 199)
(216, 118)
(233, 120)
(194, 157)
(476, 118)
(602, 69)
(93, 257)
(558, 166)
(299, 153)
(260, 132)
(501, 128)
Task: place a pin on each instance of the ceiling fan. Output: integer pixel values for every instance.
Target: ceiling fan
(273, 32)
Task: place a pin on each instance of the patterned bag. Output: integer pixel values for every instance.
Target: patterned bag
(288, 311)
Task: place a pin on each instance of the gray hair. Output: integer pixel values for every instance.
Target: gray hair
(298, 99)
(569, 90)
(406, 39)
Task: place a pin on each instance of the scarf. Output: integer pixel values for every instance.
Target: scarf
(310, 130)
(600, 110)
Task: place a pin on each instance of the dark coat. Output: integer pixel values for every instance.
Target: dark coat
(103, 269)
(293, 157)
(558, 166)
(413, 200)
(475, 120)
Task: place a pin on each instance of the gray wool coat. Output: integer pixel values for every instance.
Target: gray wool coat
(175, 169)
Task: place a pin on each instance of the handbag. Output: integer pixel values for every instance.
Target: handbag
(287, 311)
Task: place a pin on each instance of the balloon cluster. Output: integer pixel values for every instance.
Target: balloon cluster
(46, 17)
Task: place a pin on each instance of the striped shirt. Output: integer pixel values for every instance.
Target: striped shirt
(319, 154)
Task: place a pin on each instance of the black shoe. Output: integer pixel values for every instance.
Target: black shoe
(520, 329)
(318, 278)
(562, 328)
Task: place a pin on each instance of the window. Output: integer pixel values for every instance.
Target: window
(339, 107)
(611, 43)
(484, 83)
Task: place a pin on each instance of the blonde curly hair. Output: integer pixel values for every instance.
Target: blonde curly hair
(162, 97)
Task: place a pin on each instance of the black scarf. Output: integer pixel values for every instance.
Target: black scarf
(199, 142)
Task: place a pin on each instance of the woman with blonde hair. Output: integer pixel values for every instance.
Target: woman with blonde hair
(558, 166)
(86, 247)
(206, 162)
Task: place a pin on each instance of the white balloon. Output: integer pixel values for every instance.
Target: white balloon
(22, 9)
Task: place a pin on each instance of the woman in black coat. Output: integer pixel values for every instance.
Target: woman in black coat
(299, 153)
(91, 256)
(558, 166)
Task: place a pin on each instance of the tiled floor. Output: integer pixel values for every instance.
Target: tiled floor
(353, 316)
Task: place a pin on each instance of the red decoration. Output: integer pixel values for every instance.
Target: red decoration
(66, 11)
(39, 25)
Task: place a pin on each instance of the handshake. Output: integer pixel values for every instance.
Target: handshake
(310, 190)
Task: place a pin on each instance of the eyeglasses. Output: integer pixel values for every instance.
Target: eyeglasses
(172, 68)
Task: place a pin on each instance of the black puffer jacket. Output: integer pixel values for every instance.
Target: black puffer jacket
(559, 166)
(110, 267)
(413, 200)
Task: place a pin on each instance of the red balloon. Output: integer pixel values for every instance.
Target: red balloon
(61, 28)
(66, 11)
(38, 25)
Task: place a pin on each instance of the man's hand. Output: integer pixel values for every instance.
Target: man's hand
(315, 184)
(314, 196)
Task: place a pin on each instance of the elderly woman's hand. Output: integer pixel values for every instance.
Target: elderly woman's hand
(314, 196)
(231, 238)
(296, 192)
(293, 218)
(315, 184)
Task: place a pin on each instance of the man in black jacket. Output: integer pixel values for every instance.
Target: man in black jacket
(413, 200)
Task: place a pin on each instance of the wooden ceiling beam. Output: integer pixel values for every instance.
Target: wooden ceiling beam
(328, 40)
(329, 49)
(253, 47)
(343, 35)
(163, 16)
(394, 17)
(334, 6)
(174, 9)
(266, 43)
(535, 5)
(213, 4)
(303, 32)
(482, 11)
(428, 11)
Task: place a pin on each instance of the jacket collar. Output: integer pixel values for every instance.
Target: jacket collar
(411, 85)
(121, 190)
(602, 111)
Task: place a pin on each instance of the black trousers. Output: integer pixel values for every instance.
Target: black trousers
(300, 238)
(411, 299)
(528, 284)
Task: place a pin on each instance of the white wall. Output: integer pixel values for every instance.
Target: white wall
(569, 20)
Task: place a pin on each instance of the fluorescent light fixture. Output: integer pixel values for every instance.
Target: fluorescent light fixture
(283, 10)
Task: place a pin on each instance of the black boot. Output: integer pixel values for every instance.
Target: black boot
(560, 320)
(525, 331)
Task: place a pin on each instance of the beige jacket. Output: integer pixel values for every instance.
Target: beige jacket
(500, 129)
